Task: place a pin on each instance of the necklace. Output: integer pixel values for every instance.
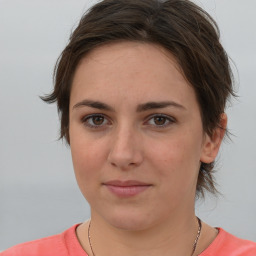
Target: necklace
(194, 245)
(197, 236)
(89, 238)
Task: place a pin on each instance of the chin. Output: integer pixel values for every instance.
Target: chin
(130, 220)
(130, 224)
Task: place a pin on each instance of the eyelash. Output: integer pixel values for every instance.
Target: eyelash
(168, 119)
(87, 119)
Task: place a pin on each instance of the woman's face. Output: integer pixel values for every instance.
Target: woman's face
(136, 135)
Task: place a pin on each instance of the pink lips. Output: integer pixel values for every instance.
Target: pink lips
(126, 188)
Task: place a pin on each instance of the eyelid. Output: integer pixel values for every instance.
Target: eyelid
(169, 118)
(87, 117)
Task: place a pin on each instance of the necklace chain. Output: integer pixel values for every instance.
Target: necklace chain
(197, 236)
(194, 245)
(89, 238)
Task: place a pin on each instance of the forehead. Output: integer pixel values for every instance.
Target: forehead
(130, 69)
(128, 52)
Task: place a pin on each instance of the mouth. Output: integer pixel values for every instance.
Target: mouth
(127, 188)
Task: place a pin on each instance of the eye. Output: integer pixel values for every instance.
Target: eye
(160, 120)
(95, 121)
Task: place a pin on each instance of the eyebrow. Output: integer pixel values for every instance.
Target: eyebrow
(93, 104)
(158, 105)
(140, 108)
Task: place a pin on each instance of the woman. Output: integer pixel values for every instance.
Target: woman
(141, 89)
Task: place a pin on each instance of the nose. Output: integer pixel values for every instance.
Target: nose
(126, 149)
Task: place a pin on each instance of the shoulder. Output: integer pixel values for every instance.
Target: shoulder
(62, 245)
(228, 244)
(38, 247)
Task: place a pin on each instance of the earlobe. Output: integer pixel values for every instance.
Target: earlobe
(212, 143)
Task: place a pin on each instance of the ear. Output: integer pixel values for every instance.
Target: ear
(211, 144)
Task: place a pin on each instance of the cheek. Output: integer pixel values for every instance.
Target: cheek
(85, 158)
(177, 152)
(177, 159)
(87, 155)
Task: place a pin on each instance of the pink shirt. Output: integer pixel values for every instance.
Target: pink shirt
(67, 244)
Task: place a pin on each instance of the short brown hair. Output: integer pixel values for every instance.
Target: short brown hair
(181, 27)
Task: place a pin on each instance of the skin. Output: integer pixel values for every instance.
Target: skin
(126, 138)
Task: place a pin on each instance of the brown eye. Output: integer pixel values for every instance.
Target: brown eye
(160, 120)
(95, 121)
(98, 120)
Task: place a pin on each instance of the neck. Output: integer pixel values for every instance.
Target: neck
(165, 238)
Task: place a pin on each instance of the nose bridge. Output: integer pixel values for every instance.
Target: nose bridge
(125, 147)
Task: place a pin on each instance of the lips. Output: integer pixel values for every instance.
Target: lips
(126, 188)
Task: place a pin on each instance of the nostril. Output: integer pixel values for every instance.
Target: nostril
(124, 160)
(125, 150)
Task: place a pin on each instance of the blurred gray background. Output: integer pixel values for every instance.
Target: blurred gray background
(38, 192)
